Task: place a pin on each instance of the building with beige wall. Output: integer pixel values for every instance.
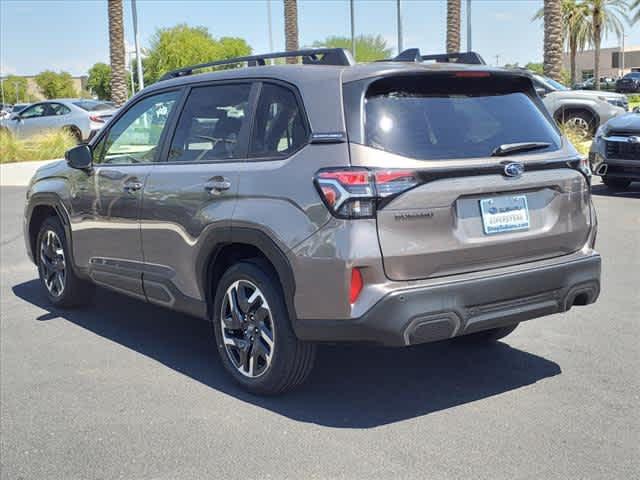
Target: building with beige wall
(611, 63)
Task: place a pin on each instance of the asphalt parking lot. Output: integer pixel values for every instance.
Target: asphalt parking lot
(128, 390)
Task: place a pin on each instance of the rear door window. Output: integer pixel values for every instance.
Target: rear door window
(211, 123)
(444, 117)
(279, 128)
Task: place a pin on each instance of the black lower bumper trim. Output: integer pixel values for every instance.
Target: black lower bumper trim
(434, 313)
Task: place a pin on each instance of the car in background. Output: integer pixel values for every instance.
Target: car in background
(606, 83)
(7, 110)
(630, 83)
(615, 151)
(582, 110)
(81, 117)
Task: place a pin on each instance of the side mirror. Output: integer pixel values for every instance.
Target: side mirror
(636, 110)
(541, 92)
(79, 157)
(16, 117)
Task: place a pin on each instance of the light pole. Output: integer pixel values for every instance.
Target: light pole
(2, 88)
(270, 26)
(399, 20)
(622, 55)
(353, 30)
(468, 25)
(134, 12)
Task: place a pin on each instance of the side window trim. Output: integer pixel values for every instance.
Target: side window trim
(245, 132)
(161, 142)
(303, 116)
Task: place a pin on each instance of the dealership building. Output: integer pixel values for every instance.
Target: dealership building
(611, 62)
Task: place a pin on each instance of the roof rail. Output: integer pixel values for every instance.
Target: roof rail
(310, 56)
(413, 55)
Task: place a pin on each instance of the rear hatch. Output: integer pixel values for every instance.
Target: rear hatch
(479, 176)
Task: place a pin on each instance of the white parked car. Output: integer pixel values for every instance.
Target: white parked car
(81, 117)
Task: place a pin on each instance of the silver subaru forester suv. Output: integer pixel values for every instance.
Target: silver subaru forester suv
(397, 203)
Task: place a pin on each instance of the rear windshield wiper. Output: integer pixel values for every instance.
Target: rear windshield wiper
(509, 148)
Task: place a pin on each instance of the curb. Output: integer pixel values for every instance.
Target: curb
(20, 173)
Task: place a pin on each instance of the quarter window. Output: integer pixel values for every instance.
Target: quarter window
(210, 124)
(134, 137)
(279, 127)
(59, 109)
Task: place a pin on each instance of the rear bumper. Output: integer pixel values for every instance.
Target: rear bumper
(426, 314)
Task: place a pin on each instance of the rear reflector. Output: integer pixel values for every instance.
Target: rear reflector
(356, 285)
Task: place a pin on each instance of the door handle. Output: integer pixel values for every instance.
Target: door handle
(132, 186)
(217, 185)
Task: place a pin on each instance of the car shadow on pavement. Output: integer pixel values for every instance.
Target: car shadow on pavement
(633, 191)
(351, 386)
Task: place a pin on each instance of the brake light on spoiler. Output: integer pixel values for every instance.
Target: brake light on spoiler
(357, 192)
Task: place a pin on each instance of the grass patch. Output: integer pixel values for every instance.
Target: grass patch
(577, 138)
(46, 146)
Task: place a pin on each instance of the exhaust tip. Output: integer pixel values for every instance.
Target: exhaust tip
(601, 170)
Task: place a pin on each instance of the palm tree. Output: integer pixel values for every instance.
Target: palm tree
(453, 26)
(116, 52)
(291, 27)
(552, 62)
(635, 5)
(576, 31)
(606, 16)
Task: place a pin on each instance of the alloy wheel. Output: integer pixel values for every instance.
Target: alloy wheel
(247, 329)
(52, 263)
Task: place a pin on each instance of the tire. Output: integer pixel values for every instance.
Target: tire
(66, 290)
(616, 183)
(488, 336)
(580, 120)
(276, 367)
(73, 131)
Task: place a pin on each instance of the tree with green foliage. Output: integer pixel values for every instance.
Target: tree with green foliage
(369, 48)
(181, 46)
(56, 85)
(635, 5)
(99, 81)
(13, 89)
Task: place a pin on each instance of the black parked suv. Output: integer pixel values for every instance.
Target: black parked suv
(630, 83)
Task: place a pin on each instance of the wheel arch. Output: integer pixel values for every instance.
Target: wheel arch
(238, 244)
(40, 207)
(575, 107)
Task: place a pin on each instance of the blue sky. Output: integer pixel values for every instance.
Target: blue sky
(72, 35)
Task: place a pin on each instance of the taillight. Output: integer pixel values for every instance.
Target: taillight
(357, 192)
(95, 118)
(356, 285)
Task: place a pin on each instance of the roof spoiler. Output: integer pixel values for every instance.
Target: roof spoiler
(311, 56)
(413, 55)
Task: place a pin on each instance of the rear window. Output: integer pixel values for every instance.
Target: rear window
(445, 117)
(93, 106)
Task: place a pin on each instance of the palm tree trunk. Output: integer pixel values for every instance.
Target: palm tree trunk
(453, 26)
(597, 40)
(553, 38)
(573, 52)
(116, 53)
(291, 27)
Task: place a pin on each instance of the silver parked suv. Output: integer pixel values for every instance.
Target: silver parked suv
(397, 202)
